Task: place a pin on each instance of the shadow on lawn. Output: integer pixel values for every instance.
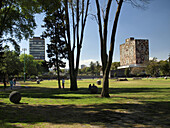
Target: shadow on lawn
(42, 92)
(149, 114)
(154, 114)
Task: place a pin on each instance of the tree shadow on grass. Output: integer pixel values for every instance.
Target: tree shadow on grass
(54, 93)
(107, 115)
(148, 114)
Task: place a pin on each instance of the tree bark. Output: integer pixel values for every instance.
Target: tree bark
(107, 60)
(58, 73)
(105, 89)
(73, 67)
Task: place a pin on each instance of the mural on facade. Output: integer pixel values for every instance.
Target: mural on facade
(134, 51)
(142, 51)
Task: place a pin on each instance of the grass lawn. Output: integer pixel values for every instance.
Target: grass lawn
(133, 103)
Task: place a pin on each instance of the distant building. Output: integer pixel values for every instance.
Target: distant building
(37, 48)
(134, 53)
(83, 66)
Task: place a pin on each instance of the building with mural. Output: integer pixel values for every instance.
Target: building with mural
(134, 53)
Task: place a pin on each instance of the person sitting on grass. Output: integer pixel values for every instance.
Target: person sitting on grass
(89, 86)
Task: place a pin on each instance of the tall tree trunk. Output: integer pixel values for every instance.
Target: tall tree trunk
(73, 75)
(73, 67)
(58, 73)
(105, 87)
(107, 60)
(73, 80)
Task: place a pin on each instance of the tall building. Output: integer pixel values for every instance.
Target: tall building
(83, 66)
(37, 48)
(134, 53)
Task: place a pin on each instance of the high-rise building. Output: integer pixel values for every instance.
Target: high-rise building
(37, 48)
(134, 52)
(83, 66)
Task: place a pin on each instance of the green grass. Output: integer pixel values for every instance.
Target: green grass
(133, 103)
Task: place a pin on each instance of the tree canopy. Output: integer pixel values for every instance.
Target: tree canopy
(17, 20)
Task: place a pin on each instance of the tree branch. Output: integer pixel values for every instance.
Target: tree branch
(82, 33)
(100, 29)
(113, 37)
(74, 32)
(105, 32)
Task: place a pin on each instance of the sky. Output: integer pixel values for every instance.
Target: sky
(152, 23)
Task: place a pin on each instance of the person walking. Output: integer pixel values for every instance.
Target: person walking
(14, 81)
(11, 83)
(63, 83)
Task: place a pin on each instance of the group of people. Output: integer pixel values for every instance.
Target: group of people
(91, 86)
(12, 83)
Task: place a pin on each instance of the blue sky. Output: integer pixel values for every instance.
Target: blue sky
(152, 23)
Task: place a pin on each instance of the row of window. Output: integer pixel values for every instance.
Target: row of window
(34, 42)
(37, 45)
(37, 53)
(37, 50)
(43, 58)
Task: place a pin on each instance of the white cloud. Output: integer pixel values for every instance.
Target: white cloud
(151, 58)
(84, 62)
(87, 62)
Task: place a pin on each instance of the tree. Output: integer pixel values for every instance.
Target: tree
(164, 67)
(153, 67)
(30, 64)
(115, 65)
(41, 66)
(105, 58)
(55, 30)
(98, 68)
(92, 67)
(78, 19)
(17, 20)
(11, 64)
(137, 71)
(126, 72)
(103, 33)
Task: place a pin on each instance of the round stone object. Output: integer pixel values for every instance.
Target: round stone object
(38, 81)
(94, 89)
(98, 82)
(15, 97)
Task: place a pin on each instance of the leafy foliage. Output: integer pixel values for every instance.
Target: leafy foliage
(55, 30)
(11, 64)
(33, 67)
(155, 68)
(17, 20)
(115, 65)
(93, 70)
